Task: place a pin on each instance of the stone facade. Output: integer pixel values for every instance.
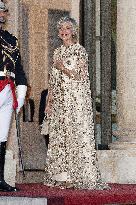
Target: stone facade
(29, 20)
(36, 40)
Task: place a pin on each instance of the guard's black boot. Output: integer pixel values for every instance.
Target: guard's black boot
(3, 185)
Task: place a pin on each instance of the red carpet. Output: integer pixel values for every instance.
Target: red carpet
(118, 194)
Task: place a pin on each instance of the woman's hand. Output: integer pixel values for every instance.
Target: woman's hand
(70, 73)
(74, 74)
(59, 65)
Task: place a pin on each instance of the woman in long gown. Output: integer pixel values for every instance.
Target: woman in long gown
(71, 157)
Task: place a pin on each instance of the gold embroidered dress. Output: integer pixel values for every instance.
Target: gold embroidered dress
(71, 154)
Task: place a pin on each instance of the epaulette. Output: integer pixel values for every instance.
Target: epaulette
(8, 37)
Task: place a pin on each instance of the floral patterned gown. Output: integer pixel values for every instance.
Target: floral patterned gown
(71, 154)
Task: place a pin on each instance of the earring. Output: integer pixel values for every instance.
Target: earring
(73, 35)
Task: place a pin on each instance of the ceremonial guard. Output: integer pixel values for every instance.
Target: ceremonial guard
(12, 88)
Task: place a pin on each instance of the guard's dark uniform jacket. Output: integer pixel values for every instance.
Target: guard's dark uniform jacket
(10, 59)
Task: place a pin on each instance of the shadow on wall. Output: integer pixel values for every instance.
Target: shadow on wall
(42, 106)
(28, 107)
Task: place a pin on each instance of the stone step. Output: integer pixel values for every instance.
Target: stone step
(117, 166)
(22, 201)
(30, 177)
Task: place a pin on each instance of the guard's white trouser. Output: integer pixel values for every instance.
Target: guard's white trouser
(6, 109)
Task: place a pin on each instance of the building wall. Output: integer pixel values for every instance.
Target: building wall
(34, 41)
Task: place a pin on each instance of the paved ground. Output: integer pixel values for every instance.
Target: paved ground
(22, 201)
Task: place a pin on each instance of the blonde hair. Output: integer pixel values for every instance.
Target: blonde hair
(74, 25)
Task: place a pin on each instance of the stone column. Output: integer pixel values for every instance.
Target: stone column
(75, 9)
(126, 75)
(89, 35)
(38, 26)
(12, 24)
(105, 47)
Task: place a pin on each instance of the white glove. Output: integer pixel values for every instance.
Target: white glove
(21, 93)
